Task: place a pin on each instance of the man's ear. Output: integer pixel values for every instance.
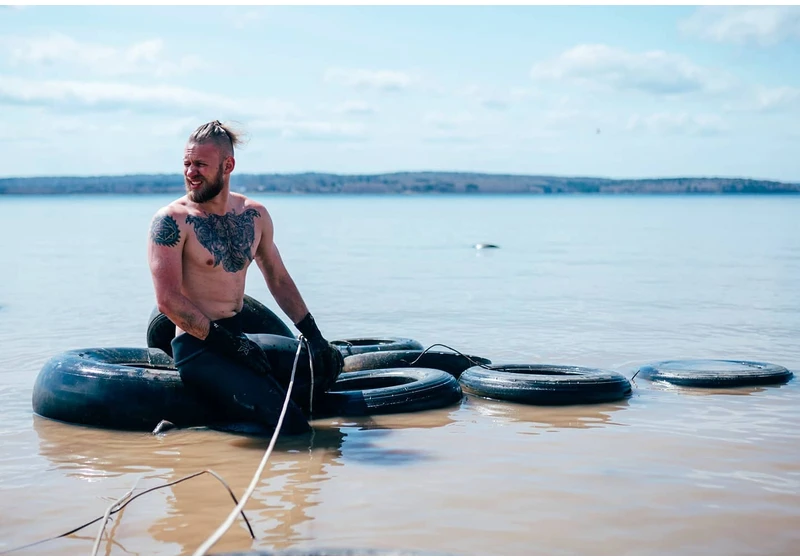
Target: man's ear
(229, 164)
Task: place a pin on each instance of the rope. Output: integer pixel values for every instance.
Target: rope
(108, 514)
(222, 529)
(142, 493)
(470, 360)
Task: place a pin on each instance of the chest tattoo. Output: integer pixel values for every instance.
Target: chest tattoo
(228, 238)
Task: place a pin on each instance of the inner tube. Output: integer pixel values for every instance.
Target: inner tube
(256, 318)
(136, 388)
(715, 373)
(454, 364)
(390, 391)
(545, 384)
(352, 346)
(118, 388)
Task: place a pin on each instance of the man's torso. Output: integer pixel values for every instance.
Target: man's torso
(217, 252)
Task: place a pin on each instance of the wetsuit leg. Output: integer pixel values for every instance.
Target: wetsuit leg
(239, 392)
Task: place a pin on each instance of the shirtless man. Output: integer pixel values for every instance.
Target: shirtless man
(199, 250)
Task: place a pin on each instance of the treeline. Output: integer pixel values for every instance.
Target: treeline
(397, 183)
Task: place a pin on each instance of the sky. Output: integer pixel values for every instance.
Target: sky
(602, 91)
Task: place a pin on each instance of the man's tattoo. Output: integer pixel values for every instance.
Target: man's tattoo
(164, 231)
(228, 238)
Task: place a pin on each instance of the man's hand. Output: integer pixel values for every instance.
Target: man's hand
(327, 359)
(238, 347)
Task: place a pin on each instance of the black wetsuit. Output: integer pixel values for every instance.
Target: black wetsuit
(241, 394)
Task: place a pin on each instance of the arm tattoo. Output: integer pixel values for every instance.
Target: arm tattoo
(229, 238)
(164, 231)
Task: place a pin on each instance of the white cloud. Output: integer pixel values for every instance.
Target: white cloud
(246, 18)
(145, 57)
(494, 98)
(654, 72)
(762, 25)
(677, 124)
(356, 108)
(313, 130)
(387, 80)
(442, 122)
(119, 96)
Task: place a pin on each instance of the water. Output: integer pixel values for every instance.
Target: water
(607, 282)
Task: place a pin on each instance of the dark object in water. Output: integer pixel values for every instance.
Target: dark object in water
(137, 388)
(545, 384)
(715, 373)
(351, 346)
(452, 363)
(486, 246)
(256, 318)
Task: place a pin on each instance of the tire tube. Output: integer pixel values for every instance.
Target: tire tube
(389, 391)
(117, 388)
(353, 346)
(715, 373)
(256, 319)
(454, 364)
(545, 384)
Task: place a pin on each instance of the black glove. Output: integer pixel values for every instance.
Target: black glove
(238, 347)
(327, 359)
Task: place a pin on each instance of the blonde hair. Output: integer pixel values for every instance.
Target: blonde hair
(224, 136)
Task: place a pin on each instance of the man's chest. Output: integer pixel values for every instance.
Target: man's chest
(228, 241)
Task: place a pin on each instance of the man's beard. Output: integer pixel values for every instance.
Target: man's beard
(208, 191)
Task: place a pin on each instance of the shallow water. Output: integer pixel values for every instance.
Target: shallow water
(611, 282)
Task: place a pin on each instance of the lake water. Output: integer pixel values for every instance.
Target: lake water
(610, 282)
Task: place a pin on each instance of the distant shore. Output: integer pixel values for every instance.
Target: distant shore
(399, 183)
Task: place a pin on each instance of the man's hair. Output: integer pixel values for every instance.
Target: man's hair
(220, 134)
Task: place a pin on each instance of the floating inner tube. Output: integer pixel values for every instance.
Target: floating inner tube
(715, 373)
(137, 388)
(390, 391)
(452, 363)
(256, 318)
(351, 346)
(545, 384)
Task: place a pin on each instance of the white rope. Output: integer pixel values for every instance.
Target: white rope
(211, 541)
(108, 514)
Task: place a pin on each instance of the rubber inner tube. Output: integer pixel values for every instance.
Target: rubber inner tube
(118, 388)
(452, 363)
(545, 384)
(715, 373)
(256, 319)
(389, 391)
(352, 346)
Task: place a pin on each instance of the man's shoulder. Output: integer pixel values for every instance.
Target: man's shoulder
(179, 207)
(249, 205)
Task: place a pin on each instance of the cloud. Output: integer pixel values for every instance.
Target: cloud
(442, 122)
(243, 19)
(764, 25)
(678, 124)
(655, 72)
(387, 80)
(762, 99)
(59, 94)
(145, 57)
(495, 99)
(356, 108)
(313, 130)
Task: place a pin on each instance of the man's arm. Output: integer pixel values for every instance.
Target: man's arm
(165, 255)
(279, 282)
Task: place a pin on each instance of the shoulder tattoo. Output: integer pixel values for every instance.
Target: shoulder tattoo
(164, 231)
(229, 238)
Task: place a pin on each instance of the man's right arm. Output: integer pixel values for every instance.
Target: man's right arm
(165, 254)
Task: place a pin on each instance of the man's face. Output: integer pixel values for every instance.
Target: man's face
(203, 172)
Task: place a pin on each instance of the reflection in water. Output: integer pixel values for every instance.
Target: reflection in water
(571, 416)
(707, 391)
(298, 467)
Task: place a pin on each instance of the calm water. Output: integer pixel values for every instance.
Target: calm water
(605, 282)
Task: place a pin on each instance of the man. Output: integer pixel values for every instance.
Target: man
(199, 249)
